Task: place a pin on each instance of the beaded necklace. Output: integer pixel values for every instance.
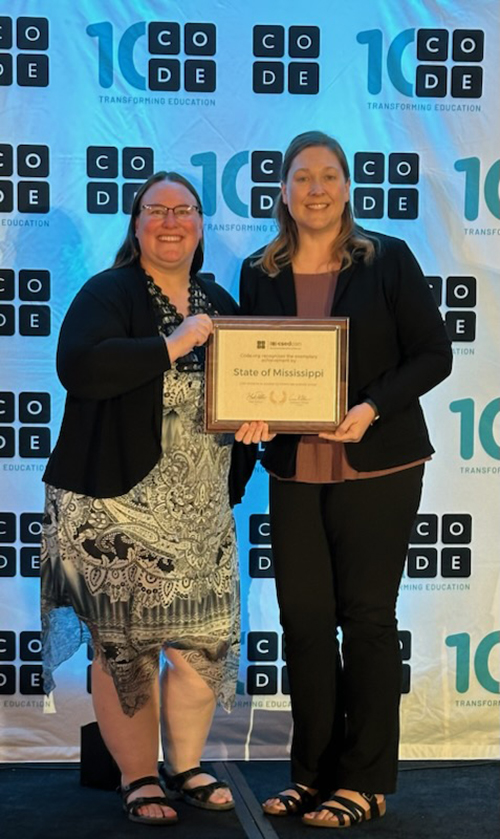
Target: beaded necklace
(169, 318)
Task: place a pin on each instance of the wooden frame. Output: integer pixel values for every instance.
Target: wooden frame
(289, 372)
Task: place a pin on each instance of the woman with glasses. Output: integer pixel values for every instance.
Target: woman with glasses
(342, 504)
(139, 549)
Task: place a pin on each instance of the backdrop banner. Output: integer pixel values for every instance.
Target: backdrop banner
(97, 95)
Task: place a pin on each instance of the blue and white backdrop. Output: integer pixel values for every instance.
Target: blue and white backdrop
(95, 96)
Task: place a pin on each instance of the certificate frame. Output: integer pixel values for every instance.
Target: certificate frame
(291, 398)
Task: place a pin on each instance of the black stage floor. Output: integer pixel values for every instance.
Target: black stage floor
(452, 800)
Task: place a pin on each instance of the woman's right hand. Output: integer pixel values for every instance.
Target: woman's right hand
(192, 332)
(253, 432)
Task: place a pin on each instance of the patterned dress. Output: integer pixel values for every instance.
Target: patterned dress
(156, 567)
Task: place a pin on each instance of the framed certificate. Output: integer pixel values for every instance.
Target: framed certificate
(289, 372)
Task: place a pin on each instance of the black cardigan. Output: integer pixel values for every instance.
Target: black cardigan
(398, 350)
(111, 360)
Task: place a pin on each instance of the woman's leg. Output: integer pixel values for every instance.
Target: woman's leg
(369, 526)
(187, 709)
(373, 521)
(304, 583)
(133, 741)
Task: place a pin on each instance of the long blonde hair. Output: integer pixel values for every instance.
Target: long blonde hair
(351, 244)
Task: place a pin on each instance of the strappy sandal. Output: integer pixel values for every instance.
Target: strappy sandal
(131, 807)
(292, 806)
(197, 796)
(353, 814)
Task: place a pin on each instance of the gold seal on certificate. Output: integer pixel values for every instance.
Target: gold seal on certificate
(289, 372)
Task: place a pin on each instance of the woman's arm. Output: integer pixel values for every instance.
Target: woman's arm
(424, 346)
(97, 358)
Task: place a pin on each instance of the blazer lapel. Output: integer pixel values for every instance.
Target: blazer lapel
(285, 290)
(342, 283)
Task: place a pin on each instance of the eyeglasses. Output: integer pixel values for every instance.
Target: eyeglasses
(181, 211)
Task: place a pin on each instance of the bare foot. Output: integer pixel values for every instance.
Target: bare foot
(352, 795)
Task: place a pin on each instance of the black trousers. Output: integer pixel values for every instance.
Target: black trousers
(339, 552)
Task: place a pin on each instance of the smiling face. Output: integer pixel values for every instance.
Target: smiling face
(316, 191)
(168, 244)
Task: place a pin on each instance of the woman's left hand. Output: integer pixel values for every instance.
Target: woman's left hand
(353, 426)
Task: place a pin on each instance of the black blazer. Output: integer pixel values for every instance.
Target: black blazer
(111, 360)
(398, 350)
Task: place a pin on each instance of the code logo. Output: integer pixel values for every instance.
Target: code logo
(273, 76)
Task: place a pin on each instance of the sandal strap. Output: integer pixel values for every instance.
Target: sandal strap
(147, 780)
(137, 803)
(338, 812)
(305, 796)
(203, 793)
(293, 804)
(180, 779)
(200, 793)
(353, 811)
(290, 802)
(371, 799)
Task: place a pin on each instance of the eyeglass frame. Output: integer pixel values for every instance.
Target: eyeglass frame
(165, 210)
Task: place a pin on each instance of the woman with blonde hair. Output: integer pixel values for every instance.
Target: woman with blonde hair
(342, 504)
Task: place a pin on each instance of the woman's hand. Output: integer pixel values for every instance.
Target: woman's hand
(353, 426)
(192, 332)
(253, 432)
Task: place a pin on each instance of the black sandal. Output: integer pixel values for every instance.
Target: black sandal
(353, 813)
(293, 806)
(131, 807)
(197, 796)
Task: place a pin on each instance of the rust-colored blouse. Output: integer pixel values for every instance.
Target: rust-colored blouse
(322, 461)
